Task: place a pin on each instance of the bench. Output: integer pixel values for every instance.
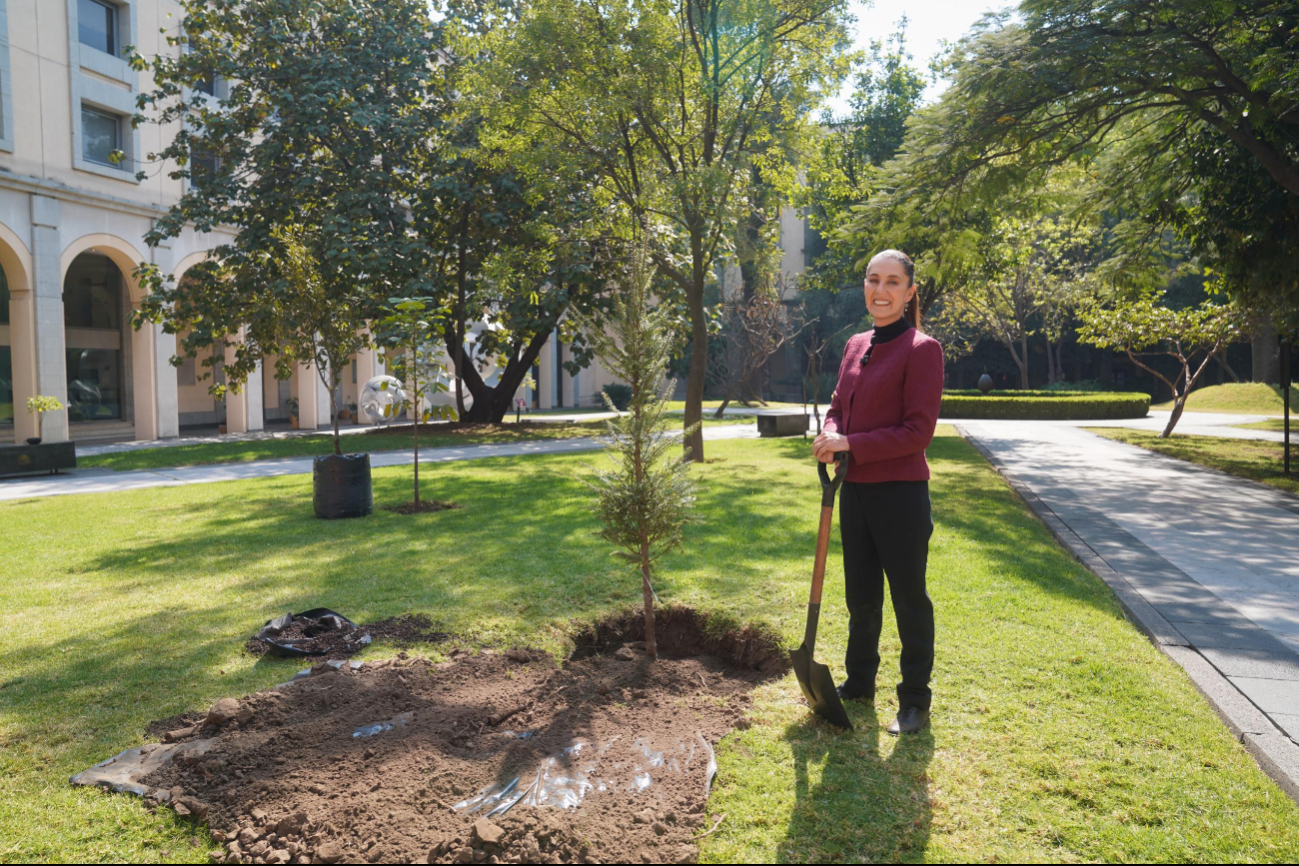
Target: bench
(46, 457)
(781, 425)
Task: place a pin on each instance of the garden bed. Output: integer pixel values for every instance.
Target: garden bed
(1045, 405)
(606, 759)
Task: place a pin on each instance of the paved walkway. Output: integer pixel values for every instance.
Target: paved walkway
(106, 480)
(1206, 564)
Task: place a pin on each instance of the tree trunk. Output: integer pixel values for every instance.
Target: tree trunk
(492, 403)
(694, 443)
(1221, 356)
(414, 378)
(1267, 361)
(1178, 404)
(1050, 362)
(651, 645)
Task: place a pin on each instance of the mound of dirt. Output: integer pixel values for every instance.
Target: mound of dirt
(486, 758)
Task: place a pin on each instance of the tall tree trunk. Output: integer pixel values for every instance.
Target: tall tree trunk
(694, 443)
(1050, 362)
(414, 378)
(1267, 361)
(492, 403)
(651, 645)
(1179, 403)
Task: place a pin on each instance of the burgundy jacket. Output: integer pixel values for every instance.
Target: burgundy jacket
(888, 409)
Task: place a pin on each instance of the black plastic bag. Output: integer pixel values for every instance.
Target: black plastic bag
(322, 620)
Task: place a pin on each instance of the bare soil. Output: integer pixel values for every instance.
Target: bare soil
(369, 765)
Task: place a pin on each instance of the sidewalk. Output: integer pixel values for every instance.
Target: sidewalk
(106, 480)
(1202, 562)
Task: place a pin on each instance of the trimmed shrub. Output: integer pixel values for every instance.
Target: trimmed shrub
(1045, 405)
(618, 394)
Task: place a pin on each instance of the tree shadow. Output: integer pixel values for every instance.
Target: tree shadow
(853, 805)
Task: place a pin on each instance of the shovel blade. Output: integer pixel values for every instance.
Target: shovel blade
(818, 687)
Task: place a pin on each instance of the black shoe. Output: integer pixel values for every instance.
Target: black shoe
(909, 721)
(848, 692)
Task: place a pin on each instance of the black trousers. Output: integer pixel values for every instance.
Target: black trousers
(886, 529)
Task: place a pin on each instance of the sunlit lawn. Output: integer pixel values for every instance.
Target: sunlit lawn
(1255, 459)
(396, 439)
(1243, 398)
(1060, 733)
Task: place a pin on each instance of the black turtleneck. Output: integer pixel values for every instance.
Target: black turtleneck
(891, 331)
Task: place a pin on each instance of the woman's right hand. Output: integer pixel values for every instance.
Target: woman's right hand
(825, 446)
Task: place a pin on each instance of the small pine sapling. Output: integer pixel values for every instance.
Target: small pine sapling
(646, 497)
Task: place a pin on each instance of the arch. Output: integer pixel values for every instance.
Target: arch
(188, 262)
(122, 253)
(16, 261)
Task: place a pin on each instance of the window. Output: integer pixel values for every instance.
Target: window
(204, 165)
(208, 86)
(97, 23)
(101, 134)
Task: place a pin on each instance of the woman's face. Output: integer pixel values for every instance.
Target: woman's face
(888, 291)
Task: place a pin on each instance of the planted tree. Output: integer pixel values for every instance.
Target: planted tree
(1145, 330)
(409, 335)
(671, 106)
(646, 497)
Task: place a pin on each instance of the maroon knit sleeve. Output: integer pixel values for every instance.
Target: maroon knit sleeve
(922, 394)
(835, 413)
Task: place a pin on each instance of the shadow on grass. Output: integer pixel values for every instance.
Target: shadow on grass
(864, 807)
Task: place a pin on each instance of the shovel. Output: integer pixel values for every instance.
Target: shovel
(814, 678)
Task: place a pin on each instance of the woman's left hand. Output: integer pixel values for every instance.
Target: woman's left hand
(827, 444)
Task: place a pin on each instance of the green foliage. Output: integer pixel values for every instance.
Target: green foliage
(616, 395)
(325, 110)
(1045, 405)
(645, 499)
(1182, 109)
(672, 105)
(42, 403)
(1143, 329)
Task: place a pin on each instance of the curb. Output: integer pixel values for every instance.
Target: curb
(1274, 752)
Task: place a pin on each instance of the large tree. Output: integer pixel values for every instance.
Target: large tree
(1186, 102)
(670, 103)
(318, 125)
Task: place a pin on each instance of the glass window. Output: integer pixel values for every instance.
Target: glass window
(4, 298)
(204, 165)
(208, 86)
(92, 294)
(97, 23)
(101, 134)
(6, 389)
(94, 384)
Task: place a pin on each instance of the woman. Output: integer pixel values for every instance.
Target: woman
(883, 413)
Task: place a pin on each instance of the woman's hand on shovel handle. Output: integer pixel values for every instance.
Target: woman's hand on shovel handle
(827, 444)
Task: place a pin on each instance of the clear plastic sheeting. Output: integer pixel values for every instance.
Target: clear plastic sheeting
(397, 721)
(565, 779)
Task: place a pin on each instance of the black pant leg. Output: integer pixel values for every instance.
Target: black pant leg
(903, 524)
(863, 589)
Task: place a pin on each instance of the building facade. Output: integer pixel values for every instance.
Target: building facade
(73, 217)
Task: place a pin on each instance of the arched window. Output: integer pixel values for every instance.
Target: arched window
(6, 359)
(94, 315)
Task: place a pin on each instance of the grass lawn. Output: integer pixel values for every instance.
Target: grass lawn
(1243, 398)
(1277, 424)
(1248, 458)
(1060, 733)
(202, 453)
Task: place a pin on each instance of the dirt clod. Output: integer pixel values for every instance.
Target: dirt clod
(223, 711)
(488, 833)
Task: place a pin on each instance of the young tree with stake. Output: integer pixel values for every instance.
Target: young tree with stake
(409, 336)
(645, 498)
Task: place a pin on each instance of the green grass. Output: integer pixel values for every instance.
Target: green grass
(680, 405)
(204, 453)
(1277, 424)
(1249, 458)
(1059, 733)
(1240, 398)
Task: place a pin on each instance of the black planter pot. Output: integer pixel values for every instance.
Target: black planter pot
(33, 440)
(342, 486)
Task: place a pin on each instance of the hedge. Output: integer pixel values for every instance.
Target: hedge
(1045, 405)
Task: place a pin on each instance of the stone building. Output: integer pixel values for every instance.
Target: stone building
(72, 227)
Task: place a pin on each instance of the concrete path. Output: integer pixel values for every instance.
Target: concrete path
(106, 481)
(1206, 564)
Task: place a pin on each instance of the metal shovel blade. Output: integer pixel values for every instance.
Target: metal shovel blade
(818, 687)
